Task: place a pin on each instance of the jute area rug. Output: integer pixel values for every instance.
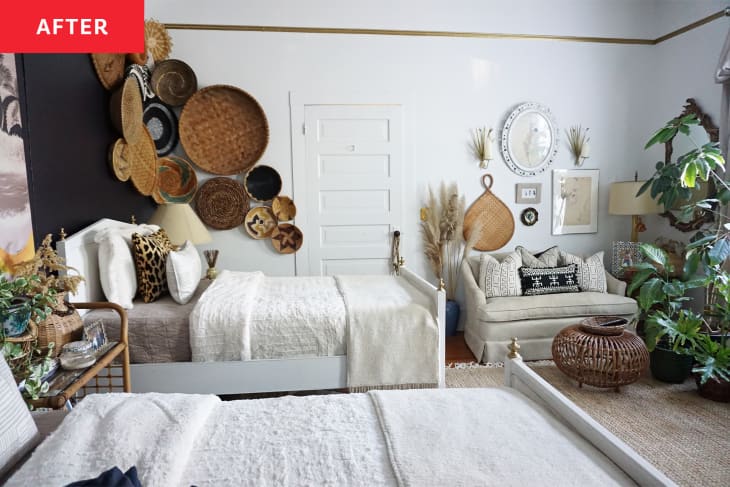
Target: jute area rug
(684, 435)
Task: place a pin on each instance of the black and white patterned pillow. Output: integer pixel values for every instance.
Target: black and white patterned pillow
(591, 273)
(546, 258)
(549, 280)
(497, 279)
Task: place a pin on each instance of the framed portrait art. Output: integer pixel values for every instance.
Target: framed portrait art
(575, 201)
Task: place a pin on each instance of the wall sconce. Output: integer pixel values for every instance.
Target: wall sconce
(481, 144)
(578, 141)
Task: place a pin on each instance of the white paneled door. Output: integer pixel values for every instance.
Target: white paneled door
(352, 181)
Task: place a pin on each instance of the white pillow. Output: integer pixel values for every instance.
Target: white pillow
(183, 272)
(18, 432)
(591, 273)
(541, 260)
(116, 265)
(498, 279)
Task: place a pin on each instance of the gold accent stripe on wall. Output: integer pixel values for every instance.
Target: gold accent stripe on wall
(436, 33)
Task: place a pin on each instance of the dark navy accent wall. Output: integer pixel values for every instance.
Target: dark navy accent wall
(68, 135)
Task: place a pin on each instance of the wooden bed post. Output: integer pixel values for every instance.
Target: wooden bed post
(512, 356)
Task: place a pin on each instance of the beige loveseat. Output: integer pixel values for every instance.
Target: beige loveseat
(534, 320)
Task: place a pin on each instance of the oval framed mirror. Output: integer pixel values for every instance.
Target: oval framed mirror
(529, 139)
(701, 134)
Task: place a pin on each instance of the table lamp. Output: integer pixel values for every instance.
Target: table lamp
(622, 200)
(181, 224)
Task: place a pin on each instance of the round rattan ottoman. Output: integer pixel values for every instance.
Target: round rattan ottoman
(601, 356)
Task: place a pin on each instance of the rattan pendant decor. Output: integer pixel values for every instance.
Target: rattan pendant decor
(221, 203)
(176, 181)
(492, 216)
(143, 163)
(223, 130)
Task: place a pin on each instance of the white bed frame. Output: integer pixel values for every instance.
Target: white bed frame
(295, 374)
(519, 376)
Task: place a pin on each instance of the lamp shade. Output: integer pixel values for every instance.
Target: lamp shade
(181, 223)
(622, 200)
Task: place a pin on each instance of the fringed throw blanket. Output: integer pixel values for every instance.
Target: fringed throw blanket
(459, 437)
(390, 333)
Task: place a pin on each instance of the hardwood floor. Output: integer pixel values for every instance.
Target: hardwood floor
(457, 351)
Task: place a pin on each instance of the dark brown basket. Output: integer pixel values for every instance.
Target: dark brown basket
(603, 325)
(221, 203)
(174, 82)
(223, 130)
(606, 361)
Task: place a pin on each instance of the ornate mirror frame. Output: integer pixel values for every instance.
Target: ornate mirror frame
(512, 162)
(700, 217)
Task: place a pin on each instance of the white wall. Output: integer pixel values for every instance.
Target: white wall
(452, 85)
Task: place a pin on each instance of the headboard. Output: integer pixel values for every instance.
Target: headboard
(82, 253)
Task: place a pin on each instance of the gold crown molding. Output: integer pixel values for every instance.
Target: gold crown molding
(437, 33)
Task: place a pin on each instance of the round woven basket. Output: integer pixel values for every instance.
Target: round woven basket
(25, 341)
(284, 208)
(157, 40)
(262, 183)
(223, 129)
(174, 81)
(109, 68)
(176, 181)
(603, 325)
(287, 238)
(60, 327)
(125, 106)
(260, 222)
(161, 121)
(143, 162)
(221, 203)
(121, 166)
(608, 361)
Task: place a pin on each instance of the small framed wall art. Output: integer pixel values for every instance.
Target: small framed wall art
(575, 201)
(528, 193)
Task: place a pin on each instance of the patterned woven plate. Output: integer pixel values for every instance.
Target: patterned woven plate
(109, 68)
(221, 203)
(260, 222)
(262, 183)
(223, 129)
(118, 158)
(176, 181)
(125, 106)
(287, 238)
(143, 162)
(284, 208)
(162, 124)
(174, 82)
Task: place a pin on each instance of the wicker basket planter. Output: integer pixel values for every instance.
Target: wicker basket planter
(62, 326)
(607, 361)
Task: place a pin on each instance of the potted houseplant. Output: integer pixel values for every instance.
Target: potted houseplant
(19, 302)
(706, 252)
(442, 228)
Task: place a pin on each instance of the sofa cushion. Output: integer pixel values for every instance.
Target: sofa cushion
(591, 274)
(500, 278)
(549, 280)
(546, 258)
(514, 308)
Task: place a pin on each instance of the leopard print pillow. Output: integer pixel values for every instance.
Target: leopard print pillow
(150, 256)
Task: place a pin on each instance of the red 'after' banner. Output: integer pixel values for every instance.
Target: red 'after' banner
(72, 26)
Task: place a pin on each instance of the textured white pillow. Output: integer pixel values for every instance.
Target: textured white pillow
(498, 279)
(546, 258)
(183, 272)
(116, 265)
(591, 273)
(18, 432)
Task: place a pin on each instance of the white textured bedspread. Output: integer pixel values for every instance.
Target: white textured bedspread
(455, 437)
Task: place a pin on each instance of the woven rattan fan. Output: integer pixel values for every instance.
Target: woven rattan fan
(491, 215)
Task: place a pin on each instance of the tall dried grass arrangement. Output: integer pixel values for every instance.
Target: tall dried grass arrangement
(46, 264)
(481, 145)
(442, 233)
(578, 141)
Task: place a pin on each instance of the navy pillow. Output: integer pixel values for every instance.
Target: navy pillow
(111, 478)
(549, 280)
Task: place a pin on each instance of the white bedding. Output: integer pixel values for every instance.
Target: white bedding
(408, 438)
(382, 323)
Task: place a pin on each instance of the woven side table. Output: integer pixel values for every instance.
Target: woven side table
(589, 355)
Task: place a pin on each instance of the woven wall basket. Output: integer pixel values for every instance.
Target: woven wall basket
(262, 183)
(174, 82)
(109, 68)
(125, 107)
(260, 222)
(161, 121)
(492, 216)
(121, 166)
(143, 161)
(287, 239)
(284, 208)
(221, 203)
(176, 181)
(223, 130)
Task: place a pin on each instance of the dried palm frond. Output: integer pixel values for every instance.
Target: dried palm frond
(431, 234)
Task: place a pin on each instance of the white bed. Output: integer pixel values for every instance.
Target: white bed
(244, 376)
(525, 434)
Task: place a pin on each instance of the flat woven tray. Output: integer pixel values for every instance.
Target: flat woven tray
(109, 68)
(284, 208)
(121, 166)
(260, 222)
(223, 130)
(221, 203)
(287, 239)
(125, 107)
(142, 156)
(174, 82)
(176, 181)
(262, 183)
